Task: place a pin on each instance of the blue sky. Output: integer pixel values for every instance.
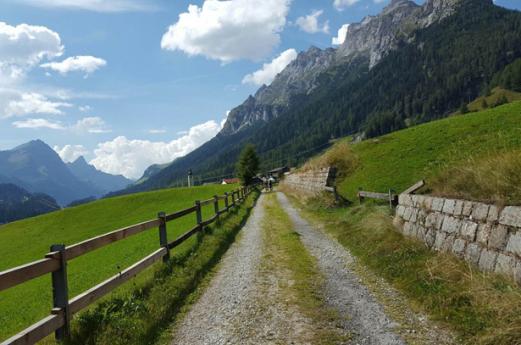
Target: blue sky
(133, 98)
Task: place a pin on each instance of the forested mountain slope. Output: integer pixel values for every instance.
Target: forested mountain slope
(431, 64)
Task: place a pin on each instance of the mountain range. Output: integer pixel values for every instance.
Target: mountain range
(17, 203)
(409, 64)
(37, 168)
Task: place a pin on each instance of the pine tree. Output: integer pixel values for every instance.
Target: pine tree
(248, 164)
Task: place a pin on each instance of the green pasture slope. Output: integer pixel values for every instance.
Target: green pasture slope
(400, 159)
(28, 240)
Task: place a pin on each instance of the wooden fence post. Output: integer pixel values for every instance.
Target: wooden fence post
(60, 293)
(163, 239)
(233, 198)
(216, 205)
(360, 197)
(198, 213)
(226, 200)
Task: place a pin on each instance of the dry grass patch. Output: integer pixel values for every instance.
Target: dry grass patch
(340, 155)
(494, 178)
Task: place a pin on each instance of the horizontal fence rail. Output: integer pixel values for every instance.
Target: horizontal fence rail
(55, 262)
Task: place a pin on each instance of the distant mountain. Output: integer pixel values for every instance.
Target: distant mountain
(37, 168)
(17, 203)
(102, 181)
(409, 64)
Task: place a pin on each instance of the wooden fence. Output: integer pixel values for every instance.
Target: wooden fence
(390, 196)
(55, 263)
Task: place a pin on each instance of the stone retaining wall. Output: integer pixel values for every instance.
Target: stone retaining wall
(484, 235)
(311, 181)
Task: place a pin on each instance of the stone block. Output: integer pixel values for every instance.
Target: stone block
(480, 211)
(430, 220)
(414, 215)
(448, 206)
(448, 243)
(487, 260)
(472, 253)
(421, 216)
(440, 218)
(407, 213)
(451, 225)
(407, 228)
(511, 216)
(458, 247)
(493, 214)
(514, 243)
(517, 272)
(498, 237)
(427, 203)
(430, 237)
(400, 210)
(437, 204)
(483, 234)
(505, 265)
(421, 232)
(458, 207)
(467, 208)
(405, 199)
(468, 230)
(438, 242)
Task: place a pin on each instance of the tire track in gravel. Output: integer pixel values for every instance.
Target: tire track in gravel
(242, 304)
(365, 317)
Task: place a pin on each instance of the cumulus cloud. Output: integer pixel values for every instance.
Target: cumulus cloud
(157, 131)
(269, 71)
(310, 23)
(228, 30)
(341, 36)
(38, 123)
(93, 124)
(341, 5)
(32, 103)
(69, 153)
(95, 5)
(24, 46)
(131, 157)
(87, 64)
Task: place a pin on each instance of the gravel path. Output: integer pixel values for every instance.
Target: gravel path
(365, 317)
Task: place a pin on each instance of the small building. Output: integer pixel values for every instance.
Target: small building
(231, 181)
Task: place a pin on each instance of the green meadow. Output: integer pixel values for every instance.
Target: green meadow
(30, 239)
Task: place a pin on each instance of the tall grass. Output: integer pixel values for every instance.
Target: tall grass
(341, 156)
(494, 178)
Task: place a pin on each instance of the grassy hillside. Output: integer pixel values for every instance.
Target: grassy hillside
(400, 159)
(30, 239)
(484, 102)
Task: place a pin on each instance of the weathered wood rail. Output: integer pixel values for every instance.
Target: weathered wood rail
(55, 262)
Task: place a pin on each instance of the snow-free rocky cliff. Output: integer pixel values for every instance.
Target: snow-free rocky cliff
(371, 39)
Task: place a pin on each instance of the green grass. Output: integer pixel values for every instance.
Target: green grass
(143, 313)
(28, 240)
(482, 309)
(495, 95)
(400, 159)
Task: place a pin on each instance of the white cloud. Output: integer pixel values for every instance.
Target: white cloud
(87, 64)
(269, 71)
(341, 36)
(38, 123)
(95, 5)
(32, 103)
(24, 46)
(131, 157)
(228, 30)
(84, 108)
(69, 153)
(310, 23)
(341, 5)
(93, 124)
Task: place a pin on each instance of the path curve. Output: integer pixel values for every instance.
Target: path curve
(365, 317)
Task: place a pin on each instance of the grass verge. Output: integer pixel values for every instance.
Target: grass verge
(302, 283)
(482, 309)
(141, 314)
